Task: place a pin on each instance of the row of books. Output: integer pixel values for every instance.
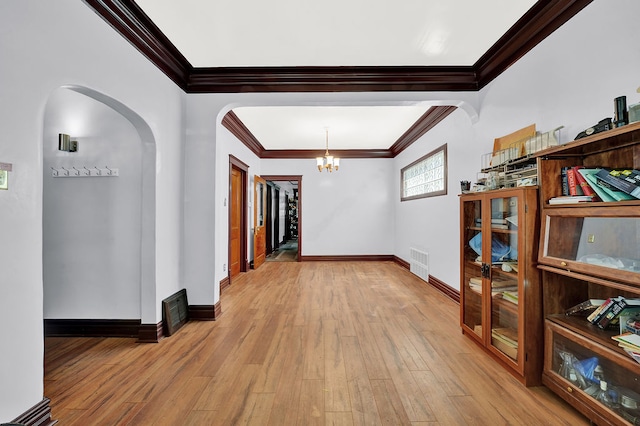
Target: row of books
(498, 288)
(506, 340)
(611, 310)
(581, 184)
(630, 343)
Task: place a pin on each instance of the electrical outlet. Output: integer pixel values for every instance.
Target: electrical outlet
(591, 238)
(224, 267)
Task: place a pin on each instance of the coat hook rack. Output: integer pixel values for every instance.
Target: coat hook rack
(84, 171)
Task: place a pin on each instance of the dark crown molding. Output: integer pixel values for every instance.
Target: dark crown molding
(426, 122)
(126, 17)
(538, 23)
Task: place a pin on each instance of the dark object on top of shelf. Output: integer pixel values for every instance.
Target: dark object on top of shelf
(621, 113)
(604, 124)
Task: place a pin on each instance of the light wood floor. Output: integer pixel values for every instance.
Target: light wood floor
(311, 343)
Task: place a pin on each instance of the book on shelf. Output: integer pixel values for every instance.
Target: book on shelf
(510, 296)
(585, 307)
(570, 199)
(615, 178)
(574, 188)
(612, 193)
(599, 311)
(506, 341)
(630, 323)
(504, 283)
(564, 183)
(611, 316)
(589, 176)
(607, 313)
(584, 185)
(628, 340)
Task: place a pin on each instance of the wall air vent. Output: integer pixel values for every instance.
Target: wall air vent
(419, 263)
(175, 311)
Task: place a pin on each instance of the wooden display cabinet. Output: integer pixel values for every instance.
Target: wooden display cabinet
(589, 251)
(501, 306)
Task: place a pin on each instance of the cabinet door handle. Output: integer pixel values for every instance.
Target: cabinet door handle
(563, 263)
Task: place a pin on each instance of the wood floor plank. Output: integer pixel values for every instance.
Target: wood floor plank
(337, 390)
(389, 404)
(363, 403)
(311, 411)
(413, 401)
(303, 343)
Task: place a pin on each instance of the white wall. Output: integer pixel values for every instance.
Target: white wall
(569, 79)
(563, 81)
(345, 212)
(91, 225)
(41, 53)
(208, 146)
(432, 224)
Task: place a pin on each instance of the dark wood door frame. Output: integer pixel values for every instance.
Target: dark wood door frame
(244, 171)
(276, 218)
(269, 218)
(298, 179)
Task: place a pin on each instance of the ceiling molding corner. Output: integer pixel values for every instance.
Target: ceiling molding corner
(538, 23)
(233, 123)
(426, 122)
(128, 19)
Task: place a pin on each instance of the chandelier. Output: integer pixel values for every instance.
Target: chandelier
(328, 162)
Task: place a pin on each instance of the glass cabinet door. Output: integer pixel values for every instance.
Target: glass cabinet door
(503, 278)
(472, 267)
(594, 243)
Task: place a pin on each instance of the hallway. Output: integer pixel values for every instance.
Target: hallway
(307, 343)
(287, 252)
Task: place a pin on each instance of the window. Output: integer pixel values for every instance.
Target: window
(426, 177)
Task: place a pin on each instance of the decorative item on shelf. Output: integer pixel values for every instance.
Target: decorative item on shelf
(465, 186)
(511, 146)
(328, 162)
(634, 113)
(620, 111)
(603, 125)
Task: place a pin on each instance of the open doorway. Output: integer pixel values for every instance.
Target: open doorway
(284, 224)
(238, 263)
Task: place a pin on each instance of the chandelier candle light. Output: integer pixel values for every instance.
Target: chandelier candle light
(328, 162)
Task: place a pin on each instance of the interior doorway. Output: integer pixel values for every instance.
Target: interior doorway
(285, 224)
(238, 172)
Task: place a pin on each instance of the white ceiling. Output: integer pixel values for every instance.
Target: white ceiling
(363, 127)
(332, 33)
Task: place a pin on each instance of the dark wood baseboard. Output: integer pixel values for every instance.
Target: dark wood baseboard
(402, 262)
(91, 327)
(351, 258)
(38, 415)
(151, 333)
(226, 282)
(205, 312)
(447, 290)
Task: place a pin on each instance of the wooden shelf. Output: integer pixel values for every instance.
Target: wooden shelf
(490, 310)
(566, 231)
